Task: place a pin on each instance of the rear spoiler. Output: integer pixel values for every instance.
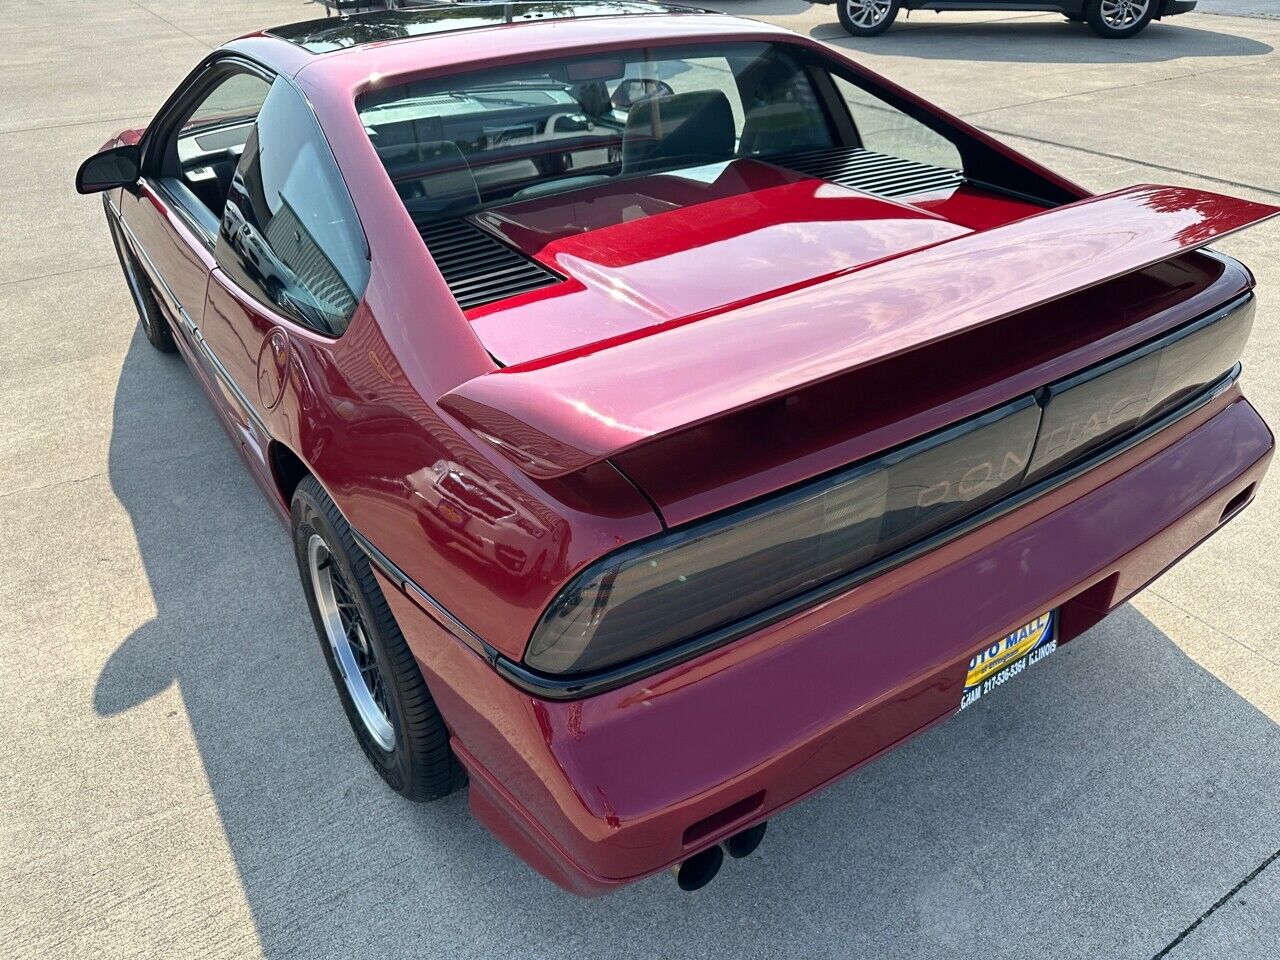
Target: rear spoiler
(557, 415)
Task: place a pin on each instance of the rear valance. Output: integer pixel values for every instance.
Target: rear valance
(558, 415)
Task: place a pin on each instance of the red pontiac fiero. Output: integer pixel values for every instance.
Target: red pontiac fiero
(671, 415)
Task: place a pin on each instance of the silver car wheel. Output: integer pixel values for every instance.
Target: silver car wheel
(348, 638)
(867, 13)
(1122, 14)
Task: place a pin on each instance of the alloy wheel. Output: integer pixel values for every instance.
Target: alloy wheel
(348, 637)
(1122, 14)
(867, 13)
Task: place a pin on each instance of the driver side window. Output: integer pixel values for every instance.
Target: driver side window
(289, 235)
(210, 141)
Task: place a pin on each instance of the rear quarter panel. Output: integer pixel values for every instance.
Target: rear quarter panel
(351, 412)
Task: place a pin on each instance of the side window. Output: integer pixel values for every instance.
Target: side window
(234, 101)
(782, 111)
(208, 144)
(886, 129)
(289, 235)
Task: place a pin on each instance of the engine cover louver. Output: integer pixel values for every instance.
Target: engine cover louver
(478, 267)
(871, 172)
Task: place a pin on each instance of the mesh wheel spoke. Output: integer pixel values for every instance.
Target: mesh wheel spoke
(349, 643)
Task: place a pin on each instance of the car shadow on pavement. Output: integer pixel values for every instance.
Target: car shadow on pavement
(1038, 40)
(1094, 808)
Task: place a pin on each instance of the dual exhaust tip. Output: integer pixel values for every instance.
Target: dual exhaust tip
(700, 869)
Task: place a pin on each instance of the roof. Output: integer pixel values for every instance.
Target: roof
(326, 34)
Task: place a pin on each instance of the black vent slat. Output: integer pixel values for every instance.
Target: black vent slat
(451, 235)
(892, 181)
(478, 267)
(510, 289)
(457, 253)
(503, 288)
(880, 177)
(457, 241)
(446, 236)
(475, 263)
(457, 238)
(496, 277)
(448, 226)
(462, 259)
(860, 163)
(871, 172)
(456, 244)
(465, 279)
(497, 280)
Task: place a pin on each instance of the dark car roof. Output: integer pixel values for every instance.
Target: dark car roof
(326, 34)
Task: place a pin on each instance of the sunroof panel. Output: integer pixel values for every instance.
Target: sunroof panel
(338, 33)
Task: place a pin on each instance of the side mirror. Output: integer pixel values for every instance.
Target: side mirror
(117, 167)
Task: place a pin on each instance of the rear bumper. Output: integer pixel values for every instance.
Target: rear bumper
(1177, 6)
(598, 792)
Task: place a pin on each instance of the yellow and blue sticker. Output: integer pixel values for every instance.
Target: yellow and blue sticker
(1006, 658)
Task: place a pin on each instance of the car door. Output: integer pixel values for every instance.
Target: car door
(290, 262)
(171, 221)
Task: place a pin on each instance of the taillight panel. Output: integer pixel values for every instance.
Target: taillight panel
(704, 579)
(1085, 412)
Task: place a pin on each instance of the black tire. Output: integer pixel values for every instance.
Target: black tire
(1098, 24)
(155, 326)
(420, 765)
(848, 9)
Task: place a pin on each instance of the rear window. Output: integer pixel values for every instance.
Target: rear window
(455, 144)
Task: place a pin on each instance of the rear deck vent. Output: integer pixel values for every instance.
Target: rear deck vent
(479, 267)
(871, 172)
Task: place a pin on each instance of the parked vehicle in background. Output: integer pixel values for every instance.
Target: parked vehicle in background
(1112, 19)
(669, 414)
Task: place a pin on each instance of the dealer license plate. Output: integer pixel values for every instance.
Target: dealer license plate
(1009, 656)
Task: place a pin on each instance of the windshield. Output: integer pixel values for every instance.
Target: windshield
(456, 144)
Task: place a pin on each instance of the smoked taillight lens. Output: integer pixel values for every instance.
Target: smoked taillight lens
(1091, 409)
(701, 579)
(695, 580)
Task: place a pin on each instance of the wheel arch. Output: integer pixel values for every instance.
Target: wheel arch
(287, 470)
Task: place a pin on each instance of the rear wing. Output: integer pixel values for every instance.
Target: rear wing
(557, 415)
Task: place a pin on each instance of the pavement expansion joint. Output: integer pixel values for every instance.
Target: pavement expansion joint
(1225, 898)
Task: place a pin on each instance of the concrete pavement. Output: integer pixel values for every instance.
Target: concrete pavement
(176, 778)
(1240, 8)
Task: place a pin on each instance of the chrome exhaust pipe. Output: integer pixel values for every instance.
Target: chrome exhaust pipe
(744, 843)
(699, 870)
